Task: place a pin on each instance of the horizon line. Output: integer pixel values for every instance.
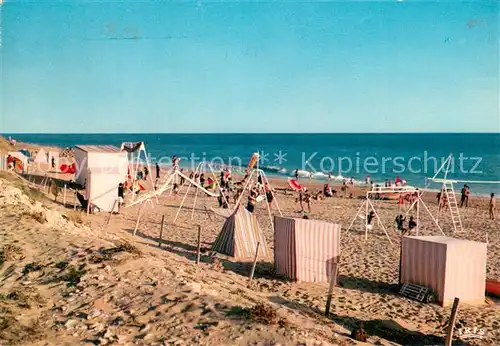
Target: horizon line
(243, 133)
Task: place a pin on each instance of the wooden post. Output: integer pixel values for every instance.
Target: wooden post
(111, 212)
(333, 282)
(64, 196)
(138, 219)
(451, 322)
(254, 263)
(199, 246)
(208, 213)
(161, 230)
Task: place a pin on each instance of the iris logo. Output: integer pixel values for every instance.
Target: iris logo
(471, 333)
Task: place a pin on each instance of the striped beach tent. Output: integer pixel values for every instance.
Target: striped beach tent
(239, 236)
(450, 267)
(305, 250)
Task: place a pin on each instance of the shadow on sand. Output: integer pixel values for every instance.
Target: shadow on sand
(365, 285)
(263, 269)
(386, 329)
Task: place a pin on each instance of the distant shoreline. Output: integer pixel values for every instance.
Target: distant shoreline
(283, 177)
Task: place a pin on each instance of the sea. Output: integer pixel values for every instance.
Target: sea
(412, 157)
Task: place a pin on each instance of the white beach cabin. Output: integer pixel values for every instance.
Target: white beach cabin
(102, 190)
(101, 159)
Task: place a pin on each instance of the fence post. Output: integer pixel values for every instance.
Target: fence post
(451, 322)
(333, 282)
(198, 250)
(161, 230)
(64, 196)
(111, 212)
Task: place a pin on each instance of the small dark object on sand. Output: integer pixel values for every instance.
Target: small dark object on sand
(359, 334)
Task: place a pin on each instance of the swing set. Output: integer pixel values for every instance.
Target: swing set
(369, 207)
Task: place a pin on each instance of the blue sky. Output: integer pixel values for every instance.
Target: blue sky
(348, 66)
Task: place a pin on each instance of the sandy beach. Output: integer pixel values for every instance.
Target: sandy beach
(69, 278)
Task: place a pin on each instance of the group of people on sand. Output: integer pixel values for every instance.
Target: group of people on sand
(398, 182)
(442, 197)
(261, 188)
(465, 192)
(400, 224)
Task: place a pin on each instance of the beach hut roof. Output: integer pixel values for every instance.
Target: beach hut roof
(441, 239)
(108, 149)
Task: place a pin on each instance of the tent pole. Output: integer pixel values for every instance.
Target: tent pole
(356, 216)
(380, 222)
(194, 204)
(182, 203)
(418, 214)
(272, 193)
(196, 192)
(244, 189)
(269, 210)
(217, 184)
(139, 214)
(433, 219)
(143, 148)
(366, 218)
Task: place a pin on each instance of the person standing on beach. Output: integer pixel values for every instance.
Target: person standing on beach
(344, 188)
(400, 219)
(202, 179)
(269, 194)
(465, 196)
(492, 206)
(307, 199)
(297, 174)
(222, 179)
(411, 224)
(251, 200)
(443, 200)
(157, 171)
(369, 219)
(53, 162)
(121, 195)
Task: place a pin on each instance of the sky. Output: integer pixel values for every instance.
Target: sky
(280, 66)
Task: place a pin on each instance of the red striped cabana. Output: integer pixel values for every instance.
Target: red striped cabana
(305, 250)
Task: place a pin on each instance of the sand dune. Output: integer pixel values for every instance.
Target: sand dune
(97, 284)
